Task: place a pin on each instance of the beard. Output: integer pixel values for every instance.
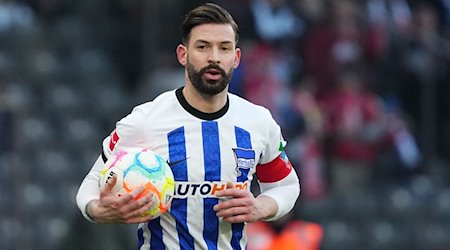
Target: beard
(208, 87)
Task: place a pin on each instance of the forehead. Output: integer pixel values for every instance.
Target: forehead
(213, 33)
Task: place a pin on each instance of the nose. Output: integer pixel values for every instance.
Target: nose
(214, 56)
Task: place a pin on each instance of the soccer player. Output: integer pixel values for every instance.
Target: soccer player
(214, 141)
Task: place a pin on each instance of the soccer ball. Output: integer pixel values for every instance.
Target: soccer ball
(141, 167)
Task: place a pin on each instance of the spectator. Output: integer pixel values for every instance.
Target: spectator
(340, 39)
(426, 62)
(307, 128)
(274, 20)
(15, 15)
(355, 125)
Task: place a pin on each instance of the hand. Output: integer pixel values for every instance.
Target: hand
(241, 206)
(124, 209)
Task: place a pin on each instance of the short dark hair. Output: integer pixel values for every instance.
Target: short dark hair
(206, 14)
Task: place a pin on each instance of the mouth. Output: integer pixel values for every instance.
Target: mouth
(212, 74)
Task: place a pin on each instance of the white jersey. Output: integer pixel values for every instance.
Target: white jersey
(204, 151)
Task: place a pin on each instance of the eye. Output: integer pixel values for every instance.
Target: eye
(202, 46)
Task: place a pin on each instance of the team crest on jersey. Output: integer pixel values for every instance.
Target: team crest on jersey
(284, 157)
(245, 159)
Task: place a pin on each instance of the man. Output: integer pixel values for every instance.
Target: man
(211, 138)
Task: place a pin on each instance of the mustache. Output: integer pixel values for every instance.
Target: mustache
(215, 67)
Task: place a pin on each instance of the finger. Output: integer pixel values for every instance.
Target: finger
(133, 195)
(237, 219)
(137, 192)
(142, 202)
(125, 202)
(110, 184)
(234, 211)
(140, 212)
(229, 186)
(150, 203)
(223, 205)
(232, 192)
(137, 207)
(236, 201)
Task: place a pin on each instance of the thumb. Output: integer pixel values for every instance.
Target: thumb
(110, 184)
(230, 185)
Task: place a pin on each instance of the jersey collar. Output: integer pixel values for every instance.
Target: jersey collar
(197, 113)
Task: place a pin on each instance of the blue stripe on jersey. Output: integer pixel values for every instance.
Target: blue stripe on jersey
(212, 166)
(156, 240)
(140, 234)
(177, 152)
(243, 140)
(238, 229)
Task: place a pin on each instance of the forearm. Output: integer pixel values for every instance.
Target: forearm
(89, 189)
(90, 210)
(283, 194)
(268, 207)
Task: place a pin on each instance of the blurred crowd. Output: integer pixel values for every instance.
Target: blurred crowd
(360, 89)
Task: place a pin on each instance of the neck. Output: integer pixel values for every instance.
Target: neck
(202, 102)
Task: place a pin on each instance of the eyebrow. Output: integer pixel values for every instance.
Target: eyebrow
(204, 41)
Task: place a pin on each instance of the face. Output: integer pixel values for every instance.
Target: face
(210, 57)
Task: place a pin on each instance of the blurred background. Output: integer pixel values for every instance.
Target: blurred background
(360, 88)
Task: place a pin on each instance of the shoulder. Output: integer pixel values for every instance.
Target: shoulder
(160, 102)
(131, 129)
(145, 111)
(244, 105)
(252, 115)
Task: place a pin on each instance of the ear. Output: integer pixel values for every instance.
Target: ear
(182, 54)
(237, 58)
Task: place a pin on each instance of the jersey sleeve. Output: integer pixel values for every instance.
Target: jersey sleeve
(128, 133)
(274, 164)
(90, 188)
(276, 176)
(274, 142)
